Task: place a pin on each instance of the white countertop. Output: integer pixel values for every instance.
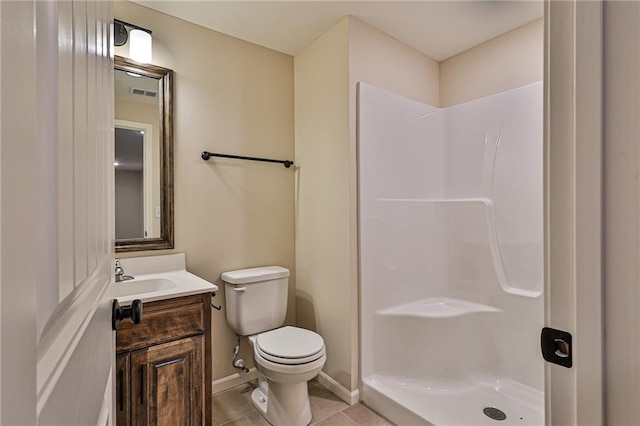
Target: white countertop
(166, 272)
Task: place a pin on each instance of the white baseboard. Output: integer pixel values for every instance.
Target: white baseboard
(233, 380)
(225, 383)
(350, 397)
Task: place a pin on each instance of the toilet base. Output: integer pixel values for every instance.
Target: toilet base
(283, 404)
(259, 401)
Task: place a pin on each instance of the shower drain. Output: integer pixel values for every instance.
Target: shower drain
(494, 413)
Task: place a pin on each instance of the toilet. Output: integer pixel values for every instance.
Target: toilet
(286, 358)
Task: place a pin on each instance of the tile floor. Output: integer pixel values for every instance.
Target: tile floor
(233, 408)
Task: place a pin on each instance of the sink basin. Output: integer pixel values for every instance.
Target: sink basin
(158, 278)
(134, 287)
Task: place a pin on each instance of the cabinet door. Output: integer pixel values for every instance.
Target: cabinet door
(123, 389)
(168, 383)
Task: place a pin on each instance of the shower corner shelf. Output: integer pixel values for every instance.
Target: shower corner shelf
(438, 308)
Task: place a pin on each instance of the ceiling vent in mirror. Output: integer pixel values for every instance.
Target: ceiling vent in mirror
(143, 92)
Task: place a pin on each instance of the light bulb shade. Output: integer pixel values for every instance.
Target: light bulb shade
(140, 46)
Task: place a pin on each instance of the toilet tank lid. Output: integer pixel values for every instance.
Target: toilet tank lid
(254, 275)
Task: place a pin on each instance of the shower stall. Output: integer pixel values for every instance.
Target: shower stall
(451, 258)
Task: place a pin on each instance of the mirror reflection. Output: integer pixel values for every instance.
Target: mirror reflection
(143, 156)
(137, 156)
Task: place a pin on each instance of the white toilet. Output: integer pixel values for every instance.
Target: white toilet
(287, 357)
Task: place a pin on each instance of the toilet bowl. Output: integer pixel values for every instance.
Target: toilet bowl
(286, 359)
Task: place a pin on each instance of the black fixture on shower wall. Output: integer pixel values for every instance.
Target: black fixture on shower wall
(206, 155)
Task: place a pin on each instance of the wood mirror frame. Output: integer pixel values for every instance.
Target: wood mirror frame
(165, 87)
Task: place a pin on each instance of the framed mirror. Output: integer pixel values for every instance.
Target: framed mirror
(143, 156)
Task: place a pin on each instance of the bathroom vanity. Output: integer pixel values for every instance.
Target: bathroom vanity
(163, 364)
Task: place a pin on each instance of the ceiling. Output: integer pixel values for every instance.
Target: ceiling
(438, 29)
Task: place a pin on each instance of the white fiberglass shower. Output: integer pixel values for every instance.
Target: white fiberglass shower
(451, 258)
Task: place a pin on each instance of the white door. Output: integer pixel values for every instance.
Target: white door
(573, 207)
(56, 342)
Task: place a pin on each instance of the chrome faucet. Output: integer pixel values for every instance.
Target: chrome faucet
(119, 271)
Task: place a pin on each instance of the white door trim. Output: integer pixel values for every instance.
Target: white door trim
(573, 206)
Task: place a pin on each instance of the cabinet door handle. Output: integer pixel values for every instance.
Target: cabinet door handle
(143, 382)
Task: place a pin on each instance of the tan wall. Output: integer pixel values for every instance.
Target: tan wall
(139, 112)
(326, 73)
(382, 61)
(323, 258)
(511, 60)
(231, 97)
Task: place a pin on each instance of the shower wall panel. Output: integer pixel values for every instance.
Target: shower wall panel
(399, 257)
(494, 151)
(451, 248)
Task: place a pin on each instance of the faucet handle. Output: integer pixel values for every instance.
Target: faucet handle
(119, 270)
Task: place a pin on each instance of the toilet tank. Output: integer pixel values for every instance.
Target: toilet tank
(256, 298)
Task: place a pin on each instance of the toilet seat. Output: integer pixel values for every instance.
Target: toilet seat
(290, 346)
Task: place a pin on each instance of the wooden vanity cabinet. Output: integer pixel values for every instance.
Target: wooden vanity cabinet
(163, 364)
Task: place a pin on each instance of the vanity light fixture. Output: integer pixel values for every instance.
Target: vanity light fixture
(140, 45)
(139, 39)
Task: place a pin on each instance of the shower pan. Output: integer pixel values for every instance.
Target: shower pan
(451, 258)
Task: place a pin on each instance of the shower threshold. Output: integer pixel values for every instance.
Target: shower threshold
(411, 401)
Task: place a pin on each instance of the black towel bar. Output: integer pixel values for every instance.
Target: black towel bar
(206, 155)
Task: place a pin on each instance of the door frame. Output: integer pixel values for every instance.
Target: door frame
(573, 206)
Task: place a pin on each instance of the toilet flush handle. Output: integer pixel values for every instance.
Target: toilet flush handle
(239, 289)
